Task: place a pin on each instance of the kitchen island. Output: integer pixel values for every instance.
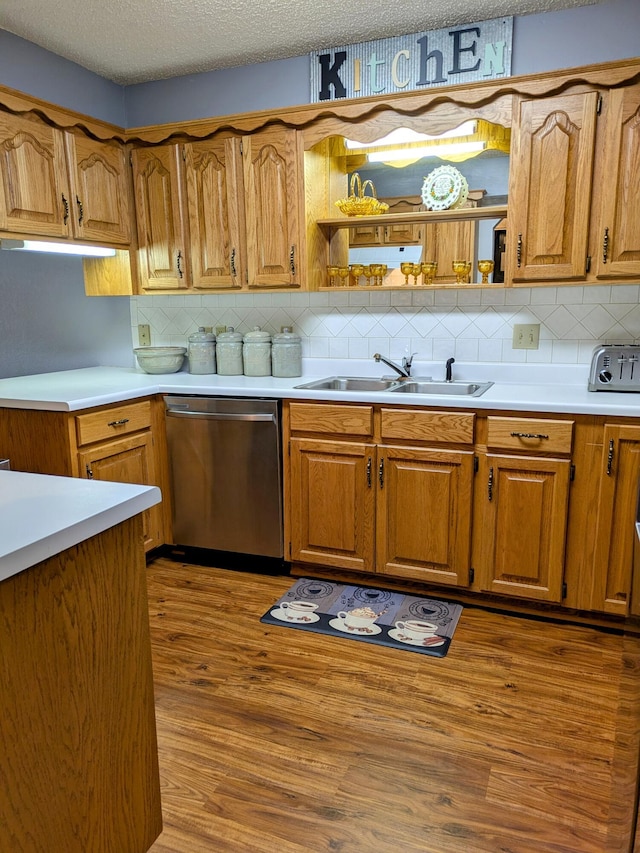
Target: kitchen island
(79, 768)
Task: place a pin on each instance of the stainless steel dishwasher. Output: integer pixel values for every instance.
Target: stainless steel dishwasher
(226, 473)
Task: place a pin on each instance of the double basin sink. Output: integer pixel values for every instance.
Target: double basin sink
(455, 387)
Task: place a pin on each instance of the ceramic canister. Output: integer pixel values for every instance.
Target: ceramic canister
(202, 352)
(256, 353)
(229, 347)
(286, 353)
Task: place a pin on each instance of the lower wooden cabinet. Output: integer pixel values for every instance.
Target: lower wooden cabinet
(523, 524)
(123, 443)
(368, 506)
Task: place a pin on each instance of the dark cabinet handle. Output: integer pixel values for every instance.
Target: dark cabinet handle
(179, 264)
(118, 423)
(605, 246)
(529, 435)
(233, 262)
(490, 485)
(89, 472)
(65, 204)
(369, 472)
(610, 458)
(519, 251)
(381, 473)
(80, 211)
(292, 260)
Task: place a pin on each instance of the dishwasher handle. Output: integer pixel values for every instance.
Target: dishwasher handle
(223, 416)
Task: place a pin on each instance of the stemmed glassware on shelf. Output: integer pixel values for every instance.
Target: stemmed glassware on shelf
(429, 270)
(332, 272)
(343, 273)
(416, 269)
(485, 267)
(356, 271)
(462, 270)
(406, 268)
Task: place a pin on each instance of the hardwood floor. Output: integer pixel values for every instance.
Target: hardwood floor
(524, 739)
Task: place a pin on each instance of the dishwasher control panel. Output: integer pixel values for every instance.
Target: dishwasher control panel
(615, 367)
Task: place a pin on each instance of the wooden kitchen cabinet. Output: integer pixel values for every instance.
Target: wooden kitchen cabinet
(615, 526)
(616, 252)
(371, 506)
(446, 242)
(161, 218)
(522, 507)
(551, 170)
(101, 194)
(215, 202)
(123, 443)
(62, 184)
(274, 207)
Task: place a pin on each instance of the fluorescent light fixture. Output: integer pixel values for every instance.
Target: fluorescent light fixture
(426, 151)
(57, 248)
(404, 135)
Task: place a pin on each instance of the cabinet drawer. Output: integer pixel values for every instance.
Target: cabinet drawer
(427, 425)
(108, 423)
(533, 435)
(325, 418)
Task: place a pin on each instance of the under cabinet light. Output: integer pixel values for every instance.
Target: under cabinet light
(404, 135)
(57, 248)
(413, 154)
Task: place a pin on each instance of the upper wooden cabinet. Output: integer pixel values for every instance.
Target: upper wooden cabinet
(215, 194)
(236, 203)
(100, 189)
(160, 217)
(274, 199)
(617, 234)
(61, 184)
(552, 156)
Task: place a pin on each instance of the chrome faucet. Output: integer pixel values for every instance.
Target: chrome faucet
(447, 376)
(404, 370)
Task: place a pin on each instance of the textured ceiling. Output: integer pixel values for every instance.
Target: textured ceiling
(132, 41)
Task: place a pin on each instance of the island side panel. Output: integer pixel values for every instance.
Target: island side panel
(79, 767)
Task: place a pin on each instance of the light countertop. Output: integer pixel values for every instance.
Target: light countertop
(518, 387)
(42, 515)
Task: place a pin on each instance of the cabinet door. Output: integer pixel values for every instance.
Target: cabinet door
(34, 188)
(617, 506)
(552, 152)
(126, 460)
(618, 253)
(365, 235)
(446, 242)
(215, 199)
(274, 208)
(332, 503)
(405, 234)
(424, 514)
(100, 190)
(158, 185)
(524, 525)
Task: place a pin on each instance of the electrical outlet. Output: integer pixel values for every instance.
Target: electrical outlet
(144, 335)
(526, 336)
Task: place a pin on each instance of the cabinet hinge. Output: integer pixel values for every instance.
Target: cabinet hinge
(587, 266)
(472, 574)
(599, 105)
(476, 464)
(572, 473)
(564, 590)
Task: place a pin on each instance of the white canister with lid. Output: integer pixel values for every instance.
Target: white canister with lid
(202, 352)
(229, 353)
(286, 353)
(256, 353)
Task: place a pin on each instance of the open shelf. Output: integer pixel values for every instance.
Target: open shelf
(497, 211)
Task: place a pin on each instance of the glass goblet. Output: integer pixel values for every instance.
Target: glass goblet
(416, 269)
(356, 271)
(406, 268)
(366, 272)
(332, 272)
(429, 269)
(376, 272)
(462, 270)
(485, 267)
(343, 272)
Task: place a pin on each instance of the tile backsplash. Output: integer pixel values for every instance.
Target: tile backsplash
(471, 324)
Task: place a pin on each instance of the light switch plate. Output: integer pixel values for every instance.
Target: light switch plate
(526, 336)
(144, 335)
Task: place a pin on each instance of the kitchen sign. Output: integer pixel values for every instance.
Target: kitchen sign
(468, 53)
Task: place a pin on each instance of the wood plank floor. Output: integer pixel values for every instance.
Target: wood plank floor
(524, 739)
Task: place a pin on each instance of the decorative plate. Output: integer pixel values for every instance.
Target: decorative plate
(444, 188)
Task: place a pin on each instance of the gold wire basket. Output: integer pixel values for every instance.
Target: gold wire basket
(358, 203)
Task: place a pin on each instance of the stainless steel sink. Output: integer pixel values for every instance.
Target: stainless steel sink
(349, 383)
(457, 387)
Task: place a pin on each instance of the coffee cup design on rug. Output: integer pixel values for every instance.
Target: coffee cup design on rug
(298, 609)
(360, 619)
(416, 630)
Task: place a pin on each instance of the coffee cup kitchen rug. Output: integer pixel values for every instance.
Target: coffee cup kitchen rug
(369, 614)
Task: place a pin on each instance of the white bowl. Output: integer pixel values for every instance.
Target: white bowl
(160, 359)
